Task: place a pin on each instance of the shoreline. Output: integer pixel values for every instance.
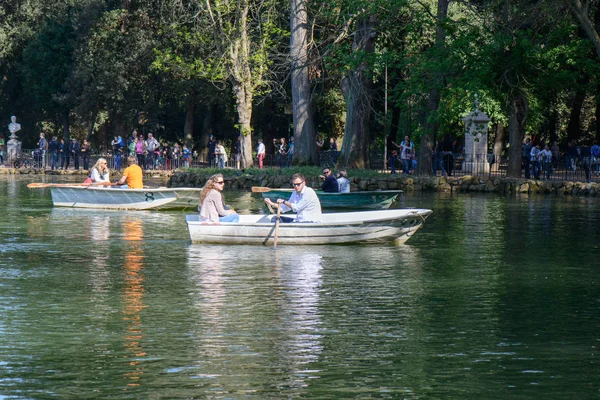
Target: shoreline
(461, 184)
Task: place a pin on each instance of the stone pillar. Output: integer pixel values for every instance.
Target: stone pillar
(476, 130)
(13, 147)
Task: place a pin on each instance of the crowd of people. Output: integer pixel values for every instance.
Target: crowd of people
(151, 153)
(540, 160)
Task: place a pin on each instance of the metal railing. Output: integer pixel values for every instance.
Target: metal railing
(457, 164)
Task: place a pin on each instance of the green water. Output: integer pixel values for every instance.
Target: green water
(494, 298)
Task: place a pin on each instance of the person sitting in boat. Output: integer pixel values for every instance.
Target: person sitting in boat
(212, 208)
(330, 184)
(303, 201)
(100, 175)
(343, 182)
(132, 175)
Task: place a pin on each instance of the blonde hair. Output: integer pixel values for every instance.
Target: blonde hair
(98, 165)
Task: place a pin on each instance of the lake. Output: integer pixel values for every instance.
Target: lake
(495, 297)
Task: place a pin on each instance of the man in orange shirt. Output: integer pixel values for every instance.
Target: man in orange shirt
(132, 175)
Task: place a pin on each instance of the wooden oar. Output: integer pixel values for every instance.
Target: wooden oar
(277, 226)
(260, 189)
(39, 185)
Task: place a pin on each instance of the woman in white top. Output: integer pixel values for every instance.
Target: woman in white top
(100, 175)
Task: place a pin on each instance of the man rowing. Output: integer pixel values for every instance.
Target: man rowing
(303, 201)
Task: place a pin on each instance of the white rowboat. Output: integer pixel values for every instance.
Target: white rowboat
(125, 199)
(335, 228)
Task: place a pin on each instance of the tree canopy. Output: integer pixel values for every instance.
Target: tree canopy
(363, 71)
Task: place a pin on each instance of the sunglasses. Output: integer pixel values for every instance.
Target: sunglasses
(297, 184)
(326, 172)
(220, 183)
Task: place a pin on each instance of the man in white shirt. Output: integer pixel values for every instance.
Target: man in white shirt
(152, 147)
(260, 153)
(304, 202)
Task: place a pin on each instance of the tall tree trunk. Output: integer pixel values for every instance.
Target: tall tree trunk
(235, 45)
(66, 126)
(188, 129)
(516, 132)
(574, 127)
(207, 128)
(243, 100)
(433, 103)
(357, 91)
(305, 150)
(498, 145)
(598, 115)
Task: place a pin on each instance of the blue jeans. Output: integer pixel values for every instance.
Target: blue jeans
(438, 164)
(54, 160)
(393, 164)
(536, 169)
(406, 163)
(230, 218)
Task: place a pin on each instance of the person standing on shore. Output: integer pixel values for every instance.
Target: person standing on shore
(53, 150)
(74, 150)
(261, 153)
(86, 149)
(526, 156)
(42, 147)
(546, 156)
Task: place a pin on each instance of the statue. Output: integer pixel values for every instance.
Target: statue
(13, 145)
(13, 127)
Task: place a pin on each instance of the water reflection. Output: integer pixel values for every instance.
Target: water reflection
(300, 275)
(256, 290)
(133, 297)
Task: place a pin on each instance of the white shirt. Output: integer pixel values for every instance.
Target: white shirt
(261, 148)
(305, 204)
(97, 177)
(344, 185)
(546, 155)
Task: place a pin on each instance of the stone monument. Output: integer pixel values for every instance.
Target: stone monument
(13, 146)
(476, 130)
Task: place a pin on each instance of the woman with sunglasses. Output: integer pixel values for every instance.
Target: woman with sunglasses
(212, 207)
(100, 175)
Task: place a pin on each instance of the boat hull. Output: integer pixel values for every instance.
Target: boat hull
(125, 199)
(373, 200)
(336, 228)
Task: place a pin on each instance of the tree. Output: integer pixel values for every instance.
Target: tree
(356, 87)
(433, 103)
(305, 151)
(244, 34)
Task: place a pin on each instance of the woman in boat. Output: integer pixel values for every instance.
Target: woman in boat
(212, 207)
(343, 182)
(100, 175)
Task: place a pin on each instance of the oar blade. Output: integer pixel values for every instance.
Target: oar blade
(260, 189)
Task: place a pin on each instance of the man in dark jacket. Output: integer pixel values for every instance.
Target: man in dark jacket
(74, 150)
(212, 146)
(330, 184)
(53, 149)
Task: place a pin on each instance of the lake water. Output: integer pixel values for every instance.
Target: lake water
(495, 297)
